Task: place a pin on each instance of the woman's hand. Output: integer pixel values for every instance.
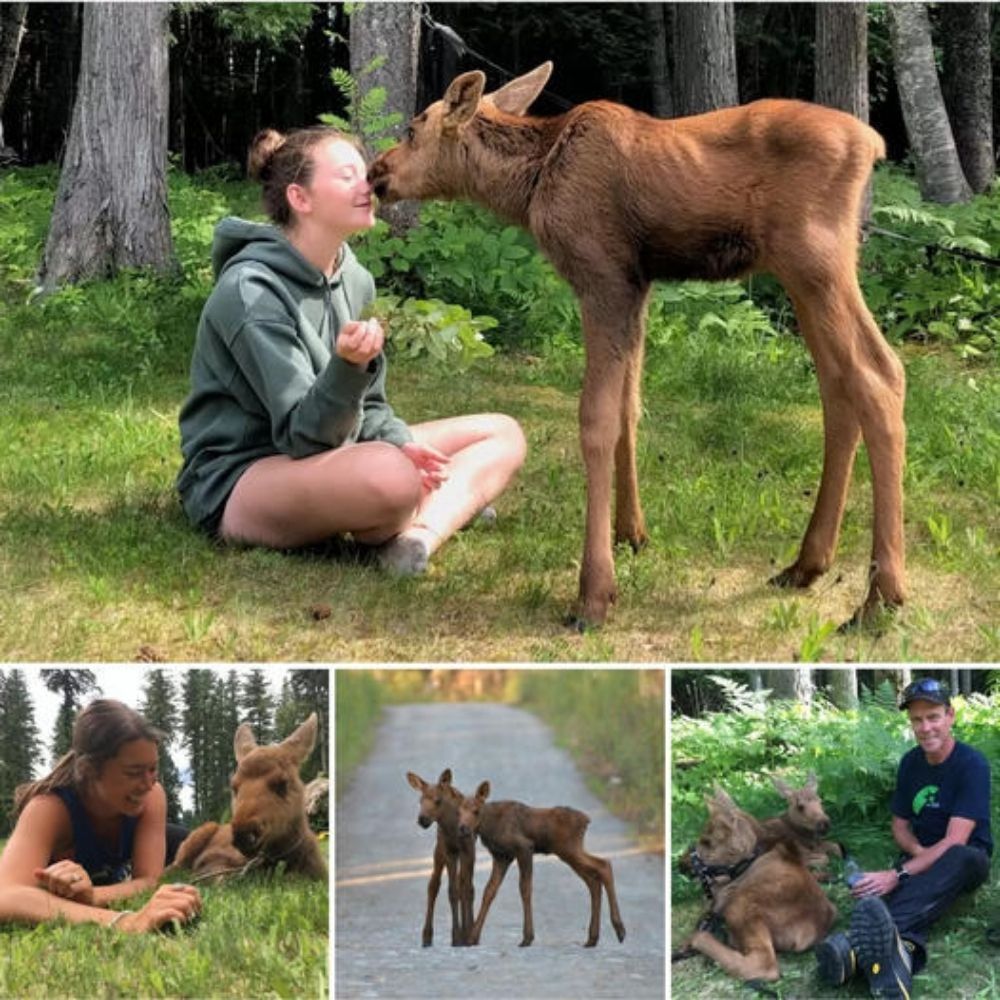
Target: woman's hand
(67, 879)
(430, 463)
(360, 340)
(875, 884)
(176, 901)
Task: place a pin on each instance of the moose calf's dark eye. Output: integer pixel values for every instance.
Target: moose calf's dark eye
(280, 788)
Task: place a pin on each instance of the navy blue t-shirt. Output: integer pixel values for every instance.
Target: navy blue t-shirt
(104, 865)
(929, 795)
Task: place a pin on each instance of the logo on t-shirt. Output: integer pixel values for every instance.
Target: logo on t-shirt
(926, 797)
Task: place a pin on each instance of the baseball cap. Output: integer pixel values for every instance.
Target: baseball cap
(925, 689)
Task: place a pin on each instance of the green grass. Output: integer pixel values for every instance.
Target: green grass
(612, 723)
(98, 563)
(260, 937)
(358, 697)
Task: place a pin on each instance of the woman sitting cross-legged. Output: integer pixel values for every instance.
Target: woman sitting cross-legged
(287, 436)
(94, 831)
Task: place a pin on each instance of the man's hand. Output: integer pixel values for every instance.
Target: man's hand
(875, 884)
(431, 463)
(67, 879)
(360, 340)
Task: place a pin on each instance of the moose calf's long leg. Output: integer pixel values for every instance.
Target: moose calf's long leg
(433, 885)
(757, 961)
(524, 868)
(841, 434)
(500, 867)
(454, 899)
(630, 525)
(608, 327)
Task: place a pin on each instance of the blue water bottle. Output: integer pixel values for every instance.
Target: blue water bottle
(853, 872)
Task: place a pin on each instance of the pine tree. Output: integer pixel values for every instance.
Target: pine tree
(72, 685)
(159, 708)
(196, 698)
(311, 692)
(19, 740)
(257, 703)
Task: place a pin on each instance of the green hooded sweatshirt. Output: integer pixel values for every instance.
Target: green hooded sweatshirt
(264, 377)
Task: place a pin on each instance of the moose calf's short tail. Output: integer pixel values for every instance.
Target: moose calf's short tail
(882, 955)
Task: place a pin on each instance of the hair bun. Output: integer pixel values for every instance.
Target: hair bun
(265, 144)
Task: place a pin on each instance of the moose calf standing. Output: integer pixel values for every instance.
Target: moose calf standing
(269, 812)
(439, 804)
(617, 199)
(513, 831)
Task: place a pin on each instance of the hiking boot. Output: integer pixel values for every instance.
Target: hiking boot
(882, 956)
(836, 960)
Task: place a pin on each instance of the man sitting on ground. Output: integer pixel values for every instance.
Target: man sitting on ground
(941, 822)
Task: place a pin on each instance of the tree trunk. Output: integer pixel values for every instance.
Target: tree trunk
(793, 683)
(939, 172)
(844, 687)
(842, 57)
(389, 33)
(111, 208)
(12, 18)
(968, 87)
(659, 69)
(704, 57)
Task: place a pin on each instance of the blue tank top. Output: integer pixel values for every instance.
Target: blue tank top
(104, 865)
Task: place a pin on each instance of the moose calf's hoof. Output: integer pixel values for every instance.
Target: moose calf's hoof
(794, 577)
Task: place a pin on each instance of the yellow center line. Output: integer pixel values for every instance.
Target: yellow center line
(484, 865)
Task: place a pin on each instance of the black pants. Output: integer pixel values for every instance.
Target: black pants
(176, 835)
(923, 899)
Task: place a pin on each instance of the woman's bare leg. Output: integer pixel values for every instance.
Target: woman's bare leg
(486, 451)
(370, 490)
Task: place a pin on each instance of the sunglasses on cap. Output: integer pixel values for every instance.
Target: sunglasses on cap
(926, 689)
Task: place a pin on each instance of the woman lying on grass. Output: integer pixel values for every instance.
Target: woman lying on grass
(287, 436)
(95, 831)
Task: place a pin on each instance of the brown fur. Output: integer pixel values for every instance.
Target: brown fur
(617, 199)
(439, 804)
(269, 811)
(804, 821)
(775, 905)
(513, 831)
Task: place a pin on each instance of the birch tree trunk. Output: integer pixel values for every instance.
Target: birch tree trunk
(844, 687)
(111, 207)
(968, 87)
(842, 57)
(389, 32)
(659, 69)
(704, 57)
(939, 172)
(792, 683)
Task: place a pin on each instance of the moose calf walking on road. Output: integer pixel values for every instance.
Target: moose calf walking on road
(513, 831)
(439, 804)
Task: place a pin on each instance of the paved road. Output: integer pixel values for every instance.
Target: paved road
(383, 861)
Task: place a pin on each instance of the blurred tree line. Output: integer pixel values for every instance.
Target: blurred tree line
(198, 710)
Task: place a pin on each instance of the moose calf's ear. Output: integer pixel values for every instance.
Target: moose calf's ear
(517, 96)
(462, 98)
(445, 778)
(483, 791)
(415, 780)
(243, 741)
(300, 744)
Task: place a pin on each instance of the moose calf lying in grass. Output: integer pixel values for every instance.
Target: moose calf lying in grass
(269, 823)
(769, 900)
(439, 804)
(805, 821)
(512, 831)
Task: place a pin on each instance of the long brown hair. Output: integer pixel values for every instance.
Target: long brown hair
(99, 732)
(278, 160)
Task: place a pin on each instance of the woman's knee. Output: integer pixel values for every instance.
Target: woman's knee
(508, 432)
(390, 482)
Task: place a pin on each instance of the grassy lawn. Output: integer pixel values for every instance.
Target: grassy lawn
(98, 563)
(263, 937)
